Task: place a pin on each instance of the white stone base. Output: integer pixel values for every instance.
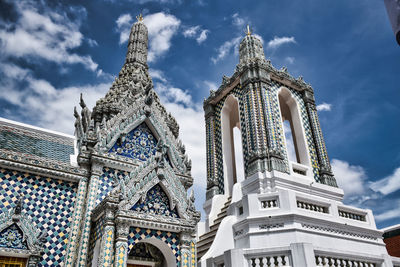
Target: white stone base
(294, 222)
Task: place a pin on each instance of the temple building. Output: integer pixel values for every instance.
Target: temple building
(115, 194)
(286, 208)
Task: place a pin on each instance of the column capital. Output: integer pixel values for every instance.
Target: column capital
(209, 110)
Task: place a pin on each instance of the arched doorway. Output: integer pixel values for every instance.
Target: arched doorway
(231, 144)
(151, 252)
(296, 143)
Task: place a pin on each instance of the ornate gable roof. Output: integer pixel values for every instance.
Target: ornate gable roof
(130, 102)
(19, 233)
(130, 125)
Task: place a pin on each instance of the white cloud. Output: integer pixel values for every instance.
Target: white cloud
(290, 60)
(196, 32)
(389, 214)
(44, 34)
(388, 184)
(172, 94)
(237, 21)
(211, 85)
(278, 41)
(191, 31)
(161, 28)
(225, 48)
(349, 177)
(202, 36)
(324, 107)
(157, 75)
(50, 107)
(92, 42)
(124, 23)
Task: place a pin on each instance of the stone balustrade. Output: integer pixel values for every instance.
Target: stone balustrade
(269, 203)
(312, 207)
(325, 261)
(270, 261)
(352, 216)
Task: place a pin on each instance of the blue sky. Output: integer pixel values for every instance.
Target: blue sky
(50, 51)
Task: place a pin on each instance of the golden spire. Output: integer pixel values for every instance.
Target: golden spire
(248, 33)
(139, 18)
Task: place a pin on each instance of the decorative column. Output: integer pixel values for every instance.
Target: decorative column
(121, 244)
(90, 202)
(212, 171)
(325, 170)
(107, 241)
(185, 248)
(193, 255)
(255, 127)
(276, 158)
(70, 257)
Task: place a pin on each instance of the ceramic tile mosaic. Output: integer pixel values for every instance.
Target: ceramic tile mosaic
(48, 202)
(18, 141)
(106, 182)
(140, 143)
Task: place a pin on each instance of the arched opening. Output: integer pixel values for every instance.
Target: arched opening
(151, 252)
(231, 144)
(296, 144)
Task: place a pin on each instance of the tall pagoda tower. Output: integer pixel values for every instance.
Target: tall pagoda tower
(285, 211)
(133, 209)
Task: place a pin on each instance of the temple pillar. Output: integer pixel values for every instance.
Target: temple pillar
(212, 175)
(96, 171)
(107, 241)
(325, 170)
(121, 244)
(70, 256)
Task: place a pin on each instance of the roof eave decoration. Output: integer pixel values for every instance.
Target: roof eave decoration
(251, 57)
(134, 188)
(34, 238)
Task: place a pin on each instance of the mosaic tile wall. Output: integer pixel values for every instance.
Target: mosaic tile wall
(140, 144)
(156, 202)
(48, 202)
(27, 142)
(106, 182)
(171, 239)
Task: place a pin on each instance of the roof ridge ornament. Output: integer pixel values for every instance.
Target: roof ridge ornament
(139, 18)
(248, 32)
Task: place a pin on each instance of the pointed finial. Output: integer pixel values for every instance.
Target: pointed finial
(139, 18)
(248, 33)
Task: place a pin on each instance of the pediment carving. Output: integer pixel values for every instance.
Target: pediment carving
(19, 234)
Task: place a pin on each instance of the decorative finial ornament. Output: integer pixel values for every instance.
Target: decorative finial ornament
(248, 33)
(139, 18)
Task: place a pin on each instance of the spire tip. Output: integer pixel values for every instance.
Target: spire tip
(139, 17)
